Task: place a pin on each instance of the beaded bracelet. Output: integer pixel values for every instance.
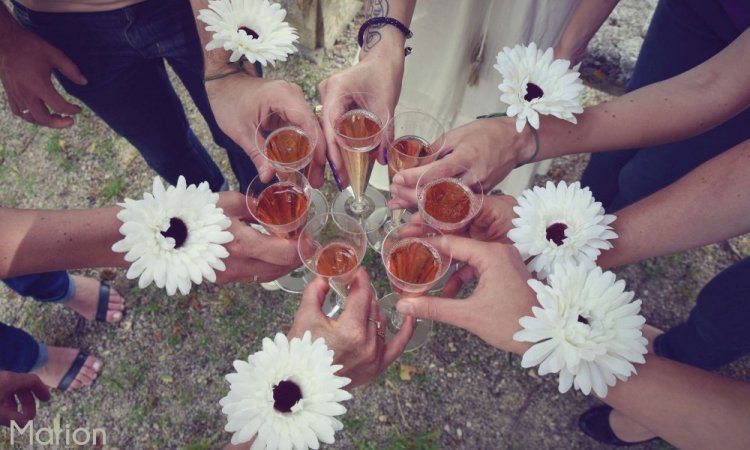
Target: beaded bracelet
(384, 21)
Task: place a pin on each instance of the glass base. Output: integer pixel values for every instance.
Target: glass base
(371, 213)
(295, 281)
(375, 238)
(394, 319)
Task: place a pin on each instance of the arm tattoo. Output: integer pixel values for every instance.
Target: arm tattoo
(375, 8)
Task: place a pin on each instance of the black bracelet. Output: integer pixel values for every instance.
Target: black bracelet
(384, 21)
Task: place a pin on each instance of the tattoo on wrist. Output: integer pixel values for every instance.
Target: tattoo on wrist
(375, 8)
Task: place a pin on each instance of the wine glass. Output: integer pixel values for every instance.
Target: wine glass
(359, 135)
(449, 196)
(282, 207)
(332, 246)
(414, 139)
(414, 263)
(288, 145)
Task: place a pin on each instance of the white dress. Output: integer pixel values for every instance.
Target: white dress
(447, 34)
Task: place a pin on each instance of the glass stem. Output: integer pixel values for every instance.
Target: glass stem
(341, 290)
(396, 216)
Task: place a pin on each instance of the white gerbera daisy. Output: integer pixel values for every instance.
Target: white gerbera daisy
(174, 236)
(560, 224)
(287, 394)
(588, 329)
(534, 83)
(254, 29)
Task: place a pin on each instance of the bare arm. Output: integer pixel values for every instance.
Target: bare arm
(586, 19)
(380, 71)
(688, 407)
(707, 205)
(44, 240)
(678, 108)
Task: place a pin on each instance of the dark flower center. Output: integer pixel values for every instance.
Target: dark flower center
(285, 395)
(252, 33)
(556, 233)
(532, 91)
(583, 320)
(177, 230)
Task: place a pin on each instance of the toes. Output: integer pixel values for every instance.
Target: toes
(93, 363)
(115, 297)
(114, 316)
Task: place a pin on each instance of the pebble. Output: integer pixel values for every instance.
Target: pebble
(459, 433)
(382, 418)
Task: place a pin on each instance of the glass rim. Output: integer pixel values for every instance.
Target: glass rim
(382, 121)
(441, 273)
(313, 139)
(307, 190)
(330, 216)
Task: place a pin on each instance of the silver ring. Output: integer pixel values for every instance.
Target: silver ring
(376, 322)
(25, 111)
(255, 278)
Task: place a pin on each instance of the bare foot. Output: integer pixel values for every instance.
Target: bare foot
(59, 362)
(628, 430)
(87, 297)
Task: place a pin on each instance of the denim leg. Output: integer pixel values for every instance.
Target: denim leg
(717, 331)
(128, 87)
(49, 287)
(19, 352)
(186, 59)
(682, 35)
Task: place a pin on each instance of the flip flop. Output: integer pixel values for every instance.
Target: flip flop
(103, 303)
(72, 373)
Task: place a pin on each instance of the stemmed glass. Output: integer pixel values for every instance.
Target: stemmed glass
(359, 135)
(289, 146)
(286, 145)
(414, 139)
(414, 264)
(282, 207)
(332, 246)
(449, 196)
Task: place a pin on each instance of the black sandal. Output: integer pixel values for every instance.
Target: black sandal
(103, 304)
(72, 373)
(595, 424)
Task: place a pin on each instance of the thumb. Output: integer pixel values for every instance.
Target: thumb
(69, 69)
(433, 308)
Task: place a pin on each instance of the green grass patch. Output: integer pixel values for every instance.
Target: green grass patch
(113, 189)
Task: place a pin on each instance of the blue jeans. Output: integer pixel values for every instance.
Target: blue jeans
(682, 35)
(20, 352)
(122, 54)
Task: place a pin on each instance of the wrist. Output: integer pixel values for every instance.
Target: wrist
(525, 146)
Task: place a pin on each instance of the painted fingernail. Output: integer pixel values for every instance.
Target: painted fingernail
(385, 156)
(335, 173)
(97, 365)
(117, 316)
(405, 308)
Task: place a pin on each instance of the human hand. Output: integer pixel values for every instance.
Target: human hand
(17, 403)
(354, 335)
(26, 65)
(488, 148)
(377, 74)
(240, 102)
(253, 255)
(494, 220)
(499, 300)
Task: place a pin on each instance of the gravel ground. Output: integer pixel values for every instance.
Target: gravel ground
(164, 364)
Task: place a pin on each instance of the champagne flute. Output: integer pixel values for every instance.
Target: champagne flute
(449, 196)
(282, 207)
(359, 136)
(332, 246)
(414, 264)
(287, 145)
(415, 139)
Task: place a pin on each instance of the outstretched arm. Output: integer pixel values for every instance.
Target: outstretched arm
(709, 204)
(379, 71)
(678, 108)
(240, 101)
(686, 406)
